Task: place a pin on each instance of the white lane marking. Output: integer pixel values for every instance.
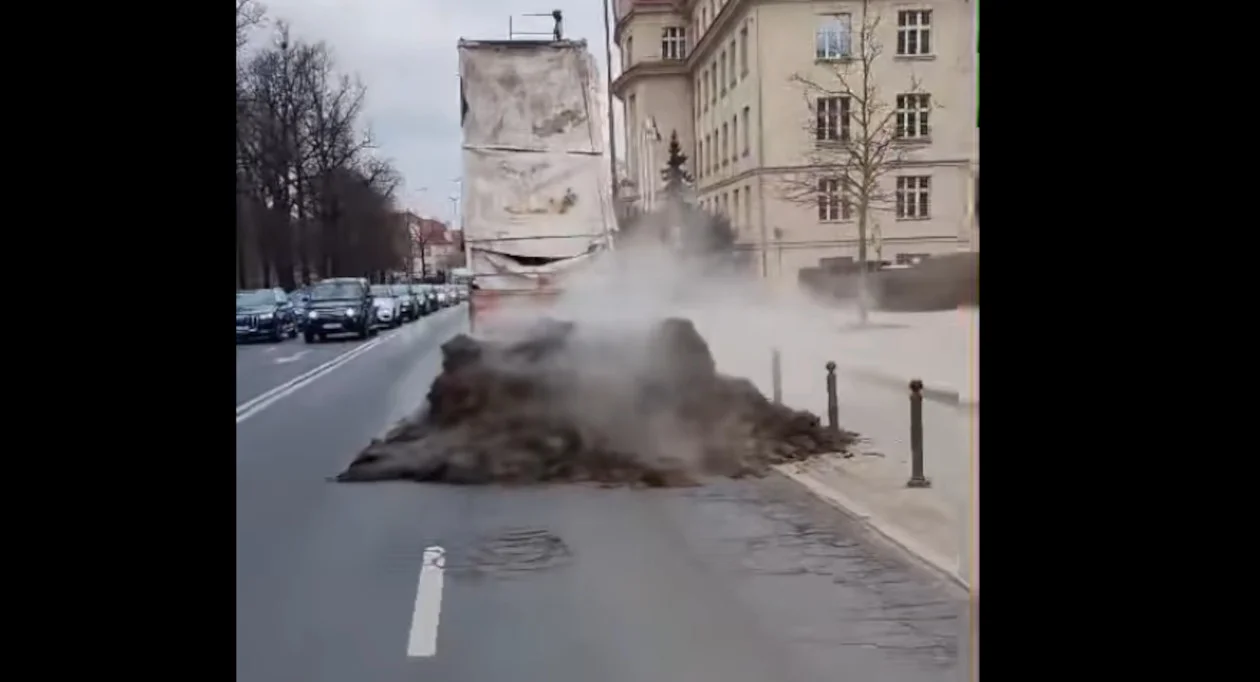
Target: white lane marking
(291, 358)
(422, 642)
(270, 349)
(253, 406)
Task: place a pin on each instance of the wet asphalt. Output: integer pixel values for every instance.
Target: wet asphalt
(736, 581)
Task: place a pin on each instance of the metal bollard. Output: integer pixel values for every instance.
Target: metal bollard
(833, 408)
(917, 479)
(776, 375)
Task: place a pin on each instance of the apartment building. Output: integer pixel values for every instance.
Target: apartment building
(725, 75)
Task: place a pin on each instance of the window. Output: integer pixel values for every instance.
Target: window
(704, 88)
(743, 51)
(912, 116)
(735, 207)
(912, 196)
(674, 43)
(628, 57)
(724, 147)
(746, 129)
(699, 99)
(748, 205)
(722, 72)
(914, 33)
(708, 149)
(832, 205)
(713, 89)
(726, 204)
(734, 136)
(731, 75)
(833, 119)
(700, 158)
(833, 38)
(704, 19)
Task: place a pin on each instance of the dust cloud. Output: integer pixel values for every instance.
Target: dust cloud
(634, 376)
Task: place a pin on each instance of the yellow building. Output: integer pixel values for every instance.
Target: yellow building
(731, 78)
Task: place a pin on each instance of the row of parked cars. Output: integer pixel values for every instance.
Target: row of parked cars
(337, 306)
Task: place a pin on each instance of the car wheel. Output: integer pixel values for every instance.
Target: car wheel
(308, 337)
(366, 330)
(293, 331)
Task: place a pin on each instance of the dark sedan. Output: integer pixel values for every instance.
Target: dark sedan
(264, 313)
(341, 305)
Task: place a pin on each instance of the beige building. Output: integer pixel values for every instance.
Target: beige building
(725, 75)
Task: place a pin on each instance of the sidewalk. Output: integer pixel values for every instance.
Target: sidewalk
(875, 365)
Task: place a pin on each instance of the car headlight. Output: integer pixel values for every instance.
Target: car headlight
(312, 314)
(351, 312)
(266, 316)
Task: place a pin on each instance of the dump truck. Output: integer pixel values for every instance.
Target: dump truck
(536, 203)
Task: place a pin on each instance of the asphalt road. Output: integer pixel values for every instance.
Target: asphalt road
(739, 581)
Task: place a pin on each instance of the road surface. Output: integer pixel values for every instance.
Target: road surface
(740, 581)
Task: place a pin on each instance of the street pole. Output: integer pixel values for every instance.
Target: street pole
(608, 79)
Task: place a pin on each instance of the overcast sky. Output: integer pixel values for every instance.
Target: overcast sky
(404, 50)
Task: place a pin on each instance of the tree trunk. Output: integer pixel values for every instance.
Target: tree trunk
(863, 211)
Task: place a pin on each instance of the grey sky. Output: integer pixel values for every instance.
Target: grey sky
(404, 50)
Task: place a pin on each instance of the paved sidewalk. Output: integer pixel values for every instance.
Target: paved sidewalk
(875, 365)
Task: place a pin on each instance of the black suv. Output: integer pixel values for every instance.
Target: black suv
(342, 305)
(264, 313)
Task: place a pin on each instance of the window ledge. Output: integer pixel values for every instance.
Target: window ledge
(833, 60)
(830, 144)
(913, 141)
(915, 57)
(913, 220)
(838, 221)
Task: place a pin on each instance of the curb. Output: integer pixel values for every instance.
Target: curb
(939, 395)
(939, 564)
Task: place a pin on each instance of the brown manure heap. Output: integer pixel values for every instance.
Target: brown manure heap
(560, 404)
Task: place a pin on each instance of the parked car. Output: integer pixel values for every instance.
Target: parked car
(341, 305)
(421, 294)
(408, 302)
(388, 306)
(431, 295)
(264, 313)
(300, 299)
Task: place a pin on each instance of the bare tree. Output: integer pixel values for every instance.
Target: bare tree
(312, 200)
(861, 132)
(249, 14)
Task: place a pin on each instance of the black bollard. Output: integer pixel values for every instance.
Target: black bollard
(917, 479)
(833, 407)
(776, 376)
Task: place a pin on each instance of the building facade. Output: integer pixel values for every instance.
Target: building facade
(434, 246)
(750, 87)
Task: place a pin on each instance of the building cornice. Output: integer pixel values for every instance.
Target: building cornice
(704, 187)
(724, 20)
(640, 10)
(647, 69)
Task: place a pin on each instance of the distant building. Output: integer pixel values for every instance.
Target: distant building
(434, 245)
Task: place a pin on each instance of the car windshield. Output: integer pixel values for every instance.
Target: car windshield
(327, 291)
(261, 297)
(381, 290)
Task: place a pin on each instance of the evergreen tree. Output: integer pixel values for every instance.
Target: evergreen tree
(677, 178)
